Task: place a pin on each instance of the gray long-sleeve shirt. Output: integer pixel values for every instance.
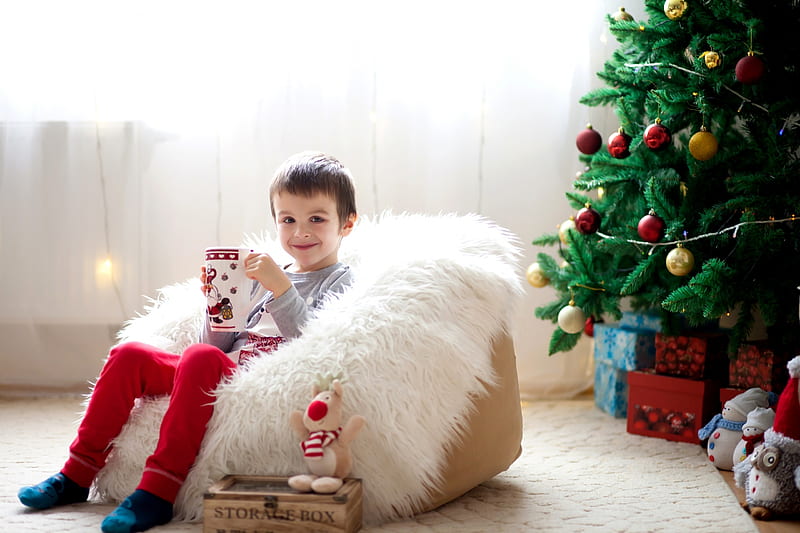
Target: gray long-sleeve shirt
(290, 311)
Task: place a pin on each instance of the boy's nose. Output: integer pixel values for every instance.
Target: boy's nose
(302, 231)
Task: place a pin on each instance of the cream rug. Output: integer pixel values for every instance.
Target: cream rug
(580, 471)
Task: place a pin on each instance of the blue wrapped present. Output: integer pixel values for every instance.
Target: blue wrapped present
(624, 348)
(611, 389)
(646, 321)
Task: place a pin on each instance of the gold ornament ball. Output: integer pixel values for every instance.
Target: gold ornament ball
(536, 276)
(571, 319)
(680, 261)
(703, 145)
(622, 15)
(674, 9)
(562, 229)
(712, 59)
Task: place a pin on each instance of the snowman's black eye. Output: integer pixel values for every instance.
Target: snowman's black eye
(768, 459)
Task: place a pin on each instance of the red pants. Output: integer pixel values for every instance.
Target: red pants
(134, 370)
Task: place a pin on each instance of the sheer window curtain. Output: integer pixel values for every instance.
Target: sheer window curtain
(133, 135)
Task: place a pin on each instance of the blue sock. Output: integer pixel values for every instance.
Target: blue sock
(138, 512)
(55, 490)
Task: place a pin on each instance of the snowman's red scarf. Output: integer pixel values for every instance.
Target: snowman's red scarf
(751, 441)
(317, 440)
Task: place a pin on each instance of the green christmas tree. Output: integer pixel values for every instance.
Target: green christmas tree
(706, 98)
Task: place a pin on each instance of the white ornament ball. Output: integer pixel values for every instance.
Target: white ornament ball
(571, 319)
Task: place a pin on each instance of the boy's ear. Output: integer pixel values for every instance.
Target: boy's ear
(349, 224)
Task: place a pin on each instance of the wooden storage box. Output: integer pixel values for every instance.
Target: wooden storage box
(266, 504)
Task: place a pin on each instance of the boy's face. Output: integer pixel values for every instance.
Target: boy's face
(308, 229)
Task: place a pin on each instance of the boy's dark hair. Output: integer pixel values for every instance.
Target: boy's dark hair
(309, 173)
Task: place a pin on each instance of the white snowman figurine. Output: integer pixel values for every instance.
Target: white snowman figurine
(724, 431)
(758, 421)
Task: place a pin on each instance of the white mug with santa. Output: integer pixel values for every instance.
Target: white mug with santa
(227, 288)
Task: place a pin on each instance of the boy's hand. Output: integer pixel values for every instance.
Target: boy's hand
(265, 270)
(203, 285)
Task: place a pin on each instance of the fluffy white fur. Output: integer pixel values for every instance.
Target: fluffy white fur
(411, 337)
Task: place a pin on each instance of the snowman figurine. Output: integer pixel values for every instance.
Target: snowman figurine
(758, 421)
(770, 477)
(724, 431)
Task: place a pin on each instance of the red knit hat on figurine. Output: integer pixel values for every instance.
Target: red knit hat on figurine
(787, 414)
(770, 476)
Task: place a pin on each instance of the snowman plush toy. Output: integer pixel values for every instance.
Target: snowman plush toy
(770, 476)
(724, 431)
(758, 421)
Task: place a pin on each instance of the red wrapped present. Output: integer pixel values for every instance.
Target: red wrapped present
(696, 356)
(757, 365)
(668, 407)
(727, 393)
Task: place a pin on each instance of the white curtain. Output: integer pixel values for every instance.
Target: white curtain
(135, 134)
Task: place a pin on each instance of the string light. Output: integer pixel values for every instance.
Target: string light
(637, 66)
(105, 267)
(105, 270)
(374, 140)
(104, 273)
(481, 148)
(734, 229)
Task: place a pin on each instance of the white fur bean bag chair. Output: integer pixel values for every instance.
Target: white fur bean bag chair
(413, 338)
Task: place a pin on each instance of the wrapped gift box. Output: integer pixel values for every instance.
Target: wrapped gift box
(669, 407)
(624, 348)
(757, 365)
(696, 356)
(645, 321)
(611, 389)
(727, 393)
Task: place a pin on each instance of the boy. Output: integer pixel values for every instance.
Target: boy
(312, 201)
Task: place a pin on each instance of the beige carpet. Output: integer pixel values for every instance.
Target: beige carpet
(580, 471)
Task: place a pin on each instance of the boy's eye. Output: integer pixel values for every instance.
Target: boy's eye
(317, 219)
(287, 220)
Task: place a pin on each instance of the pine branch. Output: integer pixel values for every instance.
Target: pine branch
(546, 240)
(602, 96)
(562, 342)
(577, 201)
(640, 275)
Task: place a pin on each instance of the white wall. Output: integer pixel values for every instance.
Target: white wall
(478, 118)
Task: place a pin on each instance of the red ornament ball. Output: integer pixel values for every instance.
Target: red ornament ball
(651, 227)
(749, 69)
(587, 220)
(589, 141)
(588, 327)
(657, 136)
(619, 144)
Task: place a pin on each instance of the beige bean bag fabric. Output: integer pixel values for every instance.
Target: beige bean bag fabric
(422, 340)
